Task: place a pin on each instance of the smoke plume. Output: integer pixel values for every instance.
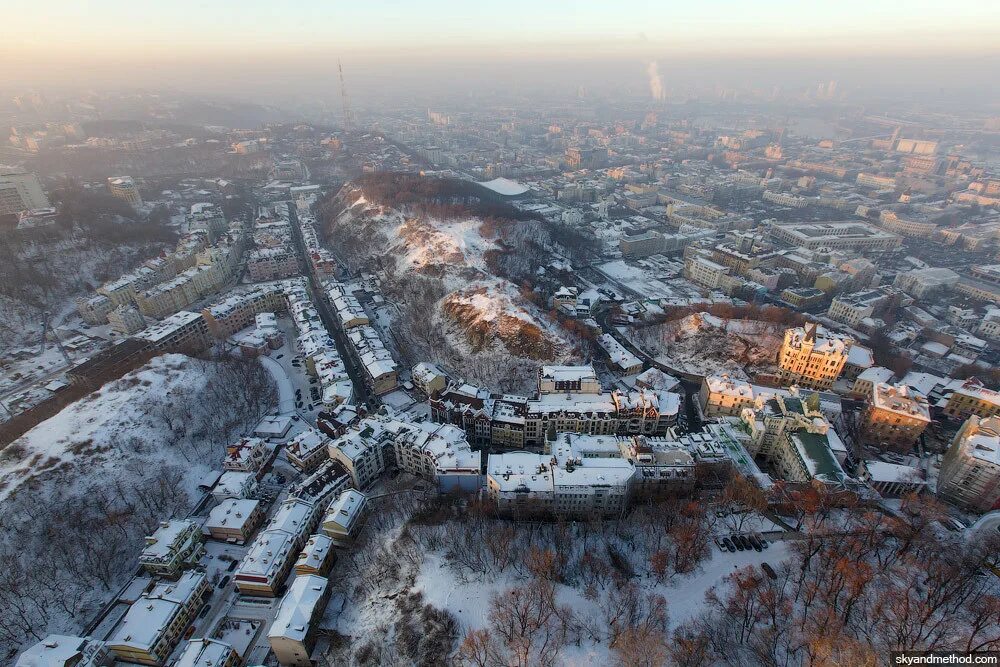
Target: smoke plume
(655, 81)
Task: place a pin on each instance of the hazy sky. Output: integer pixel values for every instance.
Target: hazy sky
(73, 41)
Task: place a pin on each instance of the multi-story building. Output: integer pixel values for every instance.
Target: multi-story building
(174, 546)
(895, 416)
(345, 517)
(153, 625)
(94, 309)
(970, 470)
(875, 181)
(562, 482)
(20, 191)
(317, 555)
(705, 272)
(855, 309)
(308, 449)
(922, 283)
(812, 357)
(568, 380)
(208, 653)
(273, 552)
(970, 397)
(850, 236)
(124, 188)
(892, 480)
(234, 520)
(272, 263)
(721, 395)
(621, 359)
(245, 455)
(181, 332)
(126, 320)
(430, 379)
(66, 651)
(795, 440)
(292, 633)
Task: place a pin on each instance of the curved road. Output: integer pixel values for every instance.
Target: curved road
(286, 393)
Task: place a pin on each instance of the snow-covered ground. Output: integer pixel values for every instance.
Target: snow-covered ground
(702, 344)
(122, 420)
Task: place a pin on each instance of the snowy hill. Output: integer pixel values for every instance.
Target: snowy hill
(471, 307)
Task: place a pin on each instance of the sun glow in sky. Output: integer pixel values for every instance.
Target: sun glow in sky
(225, 42)
(179, 28)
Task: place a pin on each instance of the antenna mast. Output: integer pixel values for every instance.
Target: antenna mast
(343, 96)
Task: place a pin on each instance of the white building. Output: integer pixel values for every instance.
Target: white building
(568, 380)
(19, 191)
(272, 553)
(153, 625)
(970, 470)
(66, 651)
(175, 545)
(345, 517)
(234, 520)
(292, 634)
(624, 361)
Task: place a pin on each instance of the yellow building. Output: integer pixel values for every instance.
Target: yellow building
(812, 357)
(972, 398)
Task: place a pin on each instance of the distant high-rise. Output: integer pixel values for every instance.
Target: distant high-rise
(124, 188)
(20, 191)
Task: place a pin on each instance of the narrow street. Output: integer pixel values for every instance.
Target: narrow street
(361, 392)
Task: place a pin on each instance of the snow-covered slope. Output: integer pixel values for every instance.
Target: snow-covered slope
(479, 309)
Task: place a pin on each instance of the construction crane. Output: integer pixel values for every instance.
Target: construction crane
(45, 330)
(343, 96)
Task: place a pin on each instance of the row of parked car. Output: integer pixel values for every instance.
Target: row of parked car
(747, 542)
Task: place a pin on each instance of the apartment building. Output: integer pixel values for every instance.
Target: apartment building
(272, 263)
(892, 480)
(125, 188)
(812, 357)
(345, 517)
(273, 552)
(722, 395)
(564, 482)
(316, 557)
(895, 416)
(153, 624)
(970, 397)
(568, 380)
(181, 332)
(970, 469)
(292, 633)
(795, 440)
(174, 546)
(858, 308)
(125, 320)
(308, 449)
(94, 309)
(234, 520)
(20, 191)
(621, 359)
(208, 653)
(245, 455)
(66, 651)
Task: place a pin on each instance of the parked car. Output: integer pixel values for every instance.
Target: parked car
(728, 544)
(224, 581)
